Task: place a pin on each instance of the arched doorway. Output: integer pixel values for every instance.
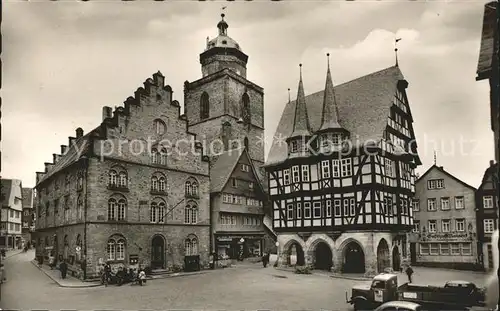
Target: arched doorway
(158, 252)
(323, 257)
(354, 259)
(396, 259)
(383, 260)
(295, 255)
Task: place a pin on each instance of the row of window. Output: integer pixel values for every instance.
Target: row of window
(445, 204)
(489, 225)
(238, 199)
(296, 210)
(12, 226)
(14, 214)
(446, 249)
(236, 182)
(445, 225)
(239, 220)
(55, 185)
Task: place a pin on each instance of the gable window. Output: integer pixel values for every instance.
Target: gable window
(389, 168)
(416, 226)
(295, 173)
(159, 127)
(307, 209)
(416, 205)
(445, 204)
(435, 184)
(245, 168)
(445, 225)
(289, 212)
(346, 167)
(325, 169)
(204, 106)
(286, 176)
(337, 207)
(488, 201)
(305, 173)
(431, 204)
(234, 182)
(459, 203)
(336, 168)
(328, 208)
(432, 226)
(460, 225)
(489, 225)
(294, 146)
(317, 209)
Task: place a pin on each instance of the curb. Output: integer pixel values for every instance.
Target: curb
(353, 278)
(65, 286)
(176, 275)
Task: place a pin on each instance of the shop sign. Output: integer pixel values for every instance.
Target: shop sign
(230, 238)
(224, 239)
(447, 236)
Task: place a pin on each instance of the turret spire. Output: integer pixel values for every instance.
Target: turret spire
(330, 117)
(301, 122)
(222, 25)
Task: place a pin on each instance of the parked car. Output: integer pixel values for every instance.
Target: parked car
(399, 306)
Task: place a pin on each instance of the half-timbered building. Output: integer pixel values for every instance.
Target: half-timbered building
(341, 174)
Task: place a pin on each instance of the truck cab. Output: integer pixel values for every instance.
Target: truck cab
(383, 288)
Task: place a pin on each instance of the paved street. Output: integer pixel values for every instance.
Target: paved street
(248, 287)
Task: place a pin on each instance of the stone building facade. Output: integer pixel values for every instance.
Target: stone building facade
(444, 211)
(11, 214)
(28, 225)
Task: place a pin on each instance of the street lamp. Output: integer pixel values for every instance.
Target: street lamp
(277, 252)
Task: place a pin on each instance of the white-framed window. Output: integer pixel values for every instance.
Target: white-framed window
(317, 209)
(433, 249)
(299, 210)
(424, 249)
(389, 168)
(416, 226)
(289, 211)
(346, 167)
(489, 225)
(435, 184)
(488, 201)
(460, 225)
(245, 168)
(352, 207)
(336, 168)
(445, 204)
(466, 248)
(444, 249)
(328, 206)
(153, 213)
(459, 203)
(455, 248)
(116, 249)
(112, 178)
(116, 209)
(286, 176)
(305, 173)
(294, 146)
(295, 173)
(307, 209)
(440, 183)
(416, 205)
(432, 226)
(325, 169)
(337, 207)
(431, 204)
(445, 225)
(345, 208)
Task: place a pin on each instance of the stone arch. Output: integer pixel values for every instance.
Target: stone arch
(396, 259)
(158, 245)
(353, 256)
(321, 254)
(383, 259)
(293, 253)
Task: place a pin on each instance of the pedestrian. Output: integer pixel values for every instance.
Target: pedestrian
(265, 260)
(409, 273)
(63, 267)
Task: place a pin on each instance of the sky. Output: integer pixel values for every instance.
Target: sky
(64, 61)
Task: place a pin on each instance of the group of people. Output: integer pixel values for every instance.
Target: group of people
(122, 275)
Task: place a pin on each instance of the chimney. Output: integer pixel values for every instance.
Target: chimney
(441, 167)
(107, 112)
(492, 163)
(64, 148)
(79, 132)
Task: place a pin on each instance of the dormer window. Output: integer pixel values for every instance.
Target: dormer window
(224, 42)
(294, 146)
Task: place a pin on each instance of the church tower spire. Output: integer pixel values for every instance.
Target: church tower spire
(222, 26)
(330, 117)
(301, 125)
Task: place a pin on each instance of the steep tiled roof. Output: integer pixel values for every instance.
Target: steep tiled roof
(301, 125)
(27, 197)
(363, 107)
(78, 148)
(222, 168)
(488, 173)
(441, 169)
(6, 191)
(488, 38)
(330, 117)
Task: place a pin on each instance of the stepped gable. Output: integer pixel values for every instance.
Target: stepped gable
(363, 108)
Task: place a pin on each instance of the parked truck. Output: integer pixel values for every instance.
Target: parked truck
(454, 295)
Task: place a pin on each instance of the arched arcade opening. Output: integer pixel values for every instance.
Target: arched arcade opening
(323, 256)
(383, 259)
(158, 252)
(295, 254)
(354, 258)
(396, 259)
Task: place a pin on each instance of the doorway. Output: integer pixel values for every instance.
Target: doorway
(396, 259)
(158, 253)
(354, 259)
(323, 257)
(383, 259)
(413, 253)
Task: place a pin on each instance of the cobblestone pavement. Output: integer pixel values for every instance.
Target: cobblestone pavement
(245, 287)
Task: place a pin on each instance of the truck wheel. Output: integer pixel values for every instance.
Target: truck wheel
(359, 306)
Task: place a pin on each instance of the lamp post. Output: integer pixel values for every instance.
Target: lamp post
(277, 252)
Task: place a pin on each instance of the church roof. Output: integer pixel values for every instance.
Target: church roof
(223, 41)
(363, 107)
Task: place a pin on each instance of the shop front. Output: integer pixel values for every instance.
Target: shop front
(239, 246)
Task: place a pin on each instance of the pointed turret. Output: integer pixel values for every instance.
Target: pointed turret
(301, 125)
(330, 117)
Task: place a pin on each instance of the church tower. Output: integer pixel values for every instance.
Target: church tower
(223, 108)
